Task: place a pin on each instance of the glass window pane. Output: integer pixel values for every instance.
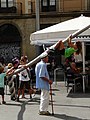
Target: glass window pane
(10, 3)
(52, 2)
(3, 3)
(44, 2)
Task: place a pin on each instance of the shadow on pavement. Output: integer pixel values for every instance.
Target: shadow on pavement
(72, 105)
(65, 117)
(23, 104)
(79, 93)
(21, 112)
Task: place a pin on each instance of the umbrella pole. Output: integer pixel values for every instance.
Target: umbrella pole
(53, 46)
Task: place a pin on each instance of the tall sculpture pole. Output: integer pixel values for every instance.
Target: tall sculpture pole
(53, 46)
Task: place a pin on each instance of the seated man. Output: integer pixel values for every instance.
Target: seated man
(72, 71)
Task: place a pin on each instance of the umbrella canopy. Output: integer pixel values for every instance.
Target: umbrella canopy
(60, 31)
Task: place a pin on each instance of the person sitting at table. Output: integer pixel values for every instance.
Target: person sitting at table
(72, 69)
(78, 59)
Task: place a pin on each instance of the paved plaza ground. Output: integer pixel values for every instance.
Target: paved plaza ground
(67, 106)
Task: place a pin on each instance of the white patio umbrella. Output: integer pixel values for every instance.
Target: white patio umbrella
(60, 31)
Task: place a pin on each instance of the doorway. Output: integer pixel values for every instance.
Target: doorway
(10, 42)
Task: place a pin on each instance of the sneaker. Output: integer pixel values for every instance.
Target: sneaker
(3, 102)
(44, 113)
(33, 95)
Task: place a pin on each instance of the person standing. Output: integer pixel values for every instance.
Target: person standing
(2, 76)
(24, 78)
(14, 80)
(42, 83)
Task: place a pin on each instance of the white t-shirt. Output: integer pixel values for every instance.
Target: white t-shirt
(23, 75)
(78, 58)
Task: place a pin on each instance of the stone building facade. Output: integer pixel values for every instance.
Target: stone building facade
(18, 21)
(21, 46)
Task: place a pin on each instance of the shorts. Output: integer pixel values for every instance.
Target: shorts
(2, 91)
(25, 84)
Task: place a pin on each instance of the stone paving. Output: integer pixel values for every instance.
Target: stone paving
(67, 106)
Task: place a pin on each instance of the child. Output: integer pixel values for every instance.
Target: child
(2, 75)
(24, 78)
(13, 80)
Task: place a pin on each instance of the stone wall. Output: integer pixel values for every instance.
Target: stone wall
(25, 27)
